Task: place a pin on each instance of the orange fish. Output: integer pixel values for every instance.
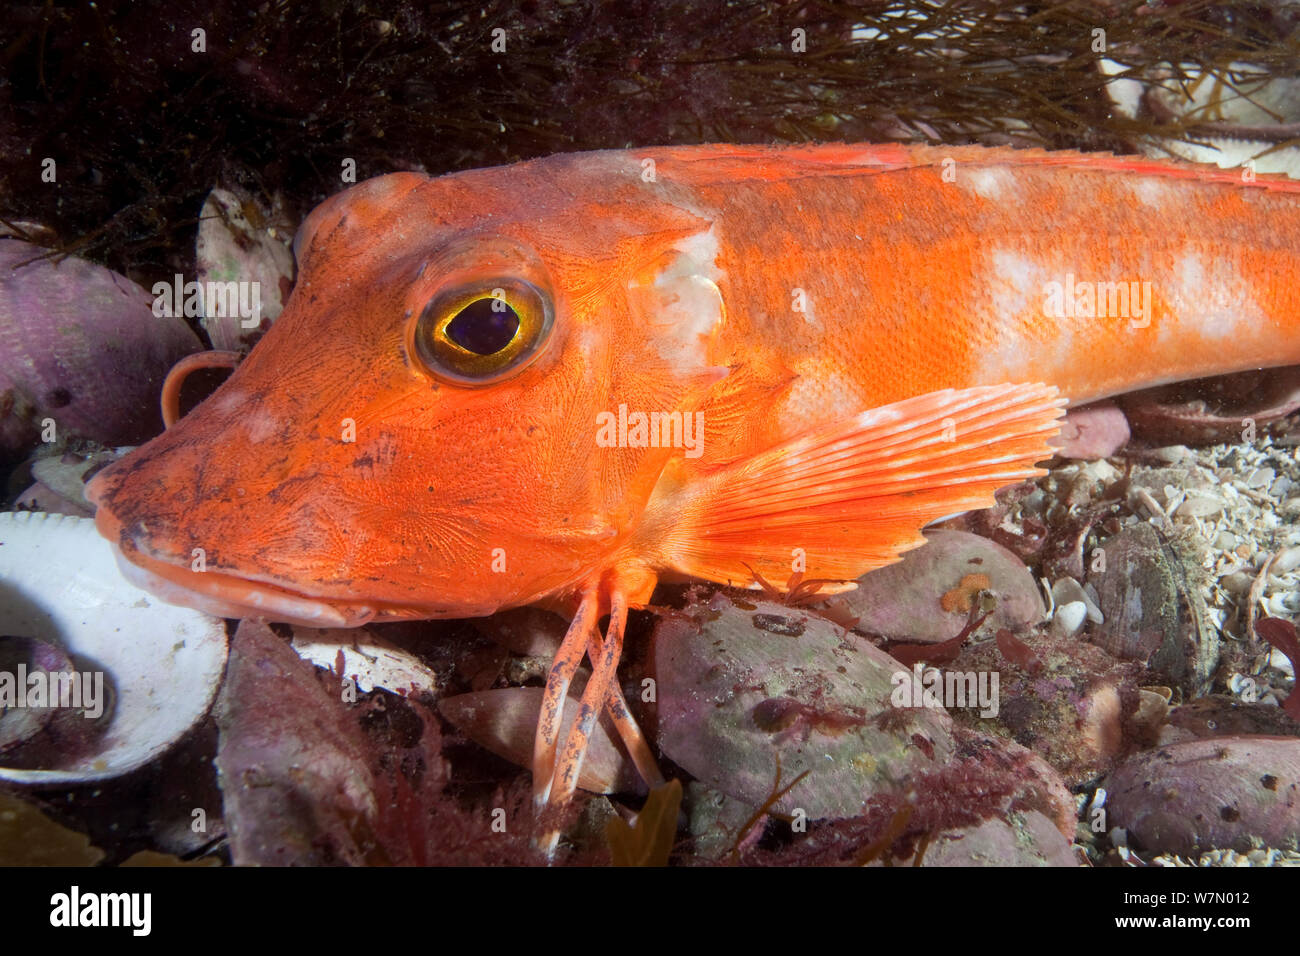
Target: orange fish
(563, 381)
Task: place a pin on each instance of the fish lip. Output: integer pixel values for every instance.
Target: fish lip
(230, 596)
(227, 595)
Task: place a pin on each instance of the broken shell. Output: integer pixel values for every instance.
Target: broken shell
(80, 345)
(1069, 618)
(368, 659)
(40, 498)
(66, 474)
(505, 722)
(1199, 506)
(1066, 590)
(1152, 713)
(1286, 560)
(59, 583)
(1278, 659)
(1242, 115)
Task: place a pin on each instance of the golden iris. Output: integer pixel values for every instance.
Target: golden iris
(481, 333)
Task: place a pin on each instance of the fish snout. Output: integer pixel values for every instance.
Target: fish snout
(168, 542)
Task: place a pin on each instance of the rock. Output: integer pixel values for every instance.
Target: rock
(1022, 839)
(714, 820)
(80, 346)
(739, 696)
(906, 601)
(1075, 709)
(1212, 793)
(1218, 715)
(528, 631)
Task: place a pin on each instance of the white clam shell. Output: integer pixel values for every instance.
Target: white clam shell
(60, 583)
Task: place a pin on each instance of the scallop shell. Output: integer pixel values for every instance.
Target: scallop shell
(231, 248)
(59, 583)
(80, 344)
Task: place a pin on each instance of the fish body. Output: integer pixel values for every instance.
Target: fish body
(565, 380)
(762, 291)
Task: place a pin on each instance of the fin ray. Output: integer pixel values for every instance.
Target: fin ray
(855, 494)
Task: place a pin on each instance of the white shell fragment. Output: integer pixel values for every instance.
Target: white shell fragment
(1199, 506)
(59, 583)
(1068, 590)
(1069, 618)
(370, 660)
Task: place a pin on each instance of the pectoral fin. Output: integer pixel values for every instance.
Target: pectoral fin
(839, 501)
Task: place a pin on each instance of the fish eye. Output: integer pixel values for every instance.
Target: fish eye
(484, 332)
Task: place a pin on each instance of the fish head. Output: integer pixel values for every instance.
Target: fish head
(417, 434)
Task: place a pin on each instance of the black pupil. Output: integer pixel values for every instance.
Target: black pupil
(482, 329)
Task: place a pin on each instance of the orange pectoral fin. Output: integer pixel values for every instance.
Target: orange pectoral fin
(839, 501)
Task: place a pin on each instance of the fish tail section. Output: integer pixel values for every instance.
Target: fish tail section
(841, 500)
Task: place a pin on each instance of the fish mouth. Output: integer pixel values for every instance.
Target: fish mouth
(225, 595)
(231, 596)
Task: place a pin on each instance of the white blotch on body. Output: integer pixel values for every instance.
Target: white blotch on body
(988, 182)
(1211, 297)
(1152, 191)
(248, 413)
(690, 307)
(1016, 287)
(260, 423)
